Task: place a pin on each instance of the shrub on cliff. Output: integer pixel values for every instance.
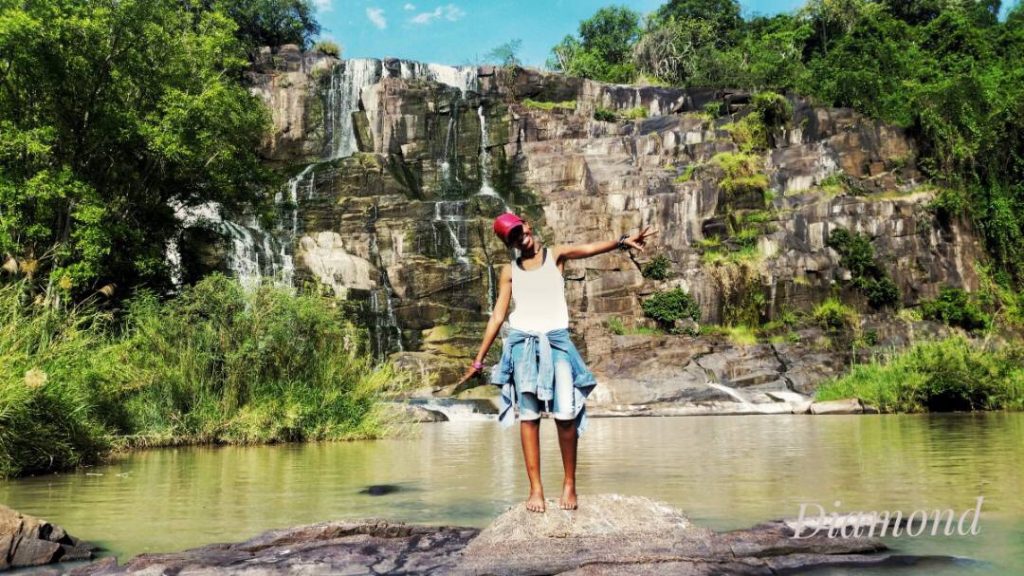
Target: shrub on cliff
(858, 256)
(668, 306)
(657, 268)
(834, 316)
(956, 307)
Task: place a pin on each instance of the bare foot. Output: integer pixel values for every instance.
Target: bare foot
(568, 500)
(535, 503)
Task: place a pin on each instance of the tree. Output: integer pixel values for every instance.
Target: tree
(603, 49)
(111, 111)
(268, 22)
(723, 15)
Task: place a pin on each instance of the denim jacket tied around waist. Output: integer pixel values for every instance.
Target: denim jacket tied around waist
(526, 363)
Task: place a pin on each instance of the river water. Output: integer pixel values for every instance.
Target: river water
(725, 472)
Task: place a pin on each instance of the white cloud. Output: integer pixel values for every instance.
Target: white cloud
(408, 6)
(376, 15)
(449, 12)
(323, 5)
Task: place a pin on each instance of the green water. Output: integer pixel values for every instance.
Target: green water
(725, 472)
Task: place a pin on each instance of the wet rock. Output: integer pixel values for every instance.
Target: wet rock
(29, 541)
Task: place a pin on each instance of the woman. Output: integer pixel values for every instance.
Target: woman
(540, 367)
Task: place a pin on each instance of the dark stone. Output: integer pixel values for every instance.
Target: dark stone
(30, 552)
(380, 489)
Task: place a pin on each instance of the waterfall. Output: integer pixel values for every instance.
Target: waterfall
(288, 235)
(462, 77)
(485, 156)
(386, 332)
(449, 215)
(343, 100)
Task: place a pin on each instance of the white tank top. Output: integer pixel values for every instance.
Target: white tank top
(538, 297)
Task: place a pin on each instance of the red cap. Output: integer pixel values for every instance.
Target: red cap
(505, 224)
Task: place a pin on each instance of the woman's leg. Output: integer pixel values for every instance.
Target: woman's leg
(529, 433)
(565, 420)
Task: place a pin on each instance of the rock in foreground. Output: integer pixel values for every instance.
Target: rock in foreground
(29, 541)
(608, 535)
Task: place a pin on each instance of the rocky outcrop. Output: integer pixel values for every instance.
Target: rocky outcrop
(28, 541)
(411, 161)
(609, 534)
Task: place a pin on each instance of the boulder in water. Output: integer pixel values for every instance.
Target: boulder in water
(29, 541)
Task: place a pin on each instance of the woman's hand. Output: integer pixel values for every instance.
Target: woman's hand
(639, 240)
(470, 372)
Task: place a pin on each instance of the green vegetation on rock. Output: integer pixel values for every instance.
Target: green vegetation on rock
(956, 307)
(658, 268)
(668, 306)
(858, 256)
(549, 106)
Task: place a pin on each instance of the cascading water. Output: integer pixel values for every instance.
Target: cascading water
(386, 333)
(485, 156)
(449, 216)
(343, 100)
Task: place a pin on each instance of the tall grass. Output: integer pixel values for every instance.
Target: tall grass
(944, 375)
(215, 365)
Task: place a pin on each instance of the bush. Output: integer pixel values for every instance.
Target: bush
(605, 115)
(858, 256)
(940, 376)
(834, 316)
(217, 364)
(668, 306)
(329, 48)
(955, 307)
(657, 268)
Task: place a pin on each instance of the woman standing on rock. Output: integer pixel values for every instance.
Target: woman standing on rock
(540, 368)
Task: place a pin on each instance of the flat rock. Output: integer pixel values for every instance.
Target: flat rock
(847, 406)
(609, 534)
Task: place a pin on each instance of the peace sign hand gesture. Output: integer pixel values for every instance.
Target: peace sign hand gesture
(639, 240)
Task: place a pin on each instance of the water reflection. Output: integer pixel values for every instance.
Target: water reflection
(727, 472)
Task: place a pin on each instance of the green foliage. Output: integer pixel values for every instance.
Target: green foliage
(658, 268)
(723, 15)
(956, 307)
(605, 115)
(834, 316)
(668, 306)
(217, 364)
(549, 106)
(858, 256)
(269, 22)
(952, 374)
(329, 48)
(109, 114)
(602, 49)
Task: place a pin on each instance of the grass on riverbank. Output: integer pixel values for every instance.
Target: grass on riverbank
(944, 375)
(215, 365)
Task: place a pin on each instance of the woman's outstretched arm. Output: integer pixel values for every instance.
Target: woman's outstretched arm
(577, 251)
(498, 315)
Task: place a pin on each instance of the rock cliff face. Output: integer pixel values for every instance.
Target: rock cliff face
(399, 168)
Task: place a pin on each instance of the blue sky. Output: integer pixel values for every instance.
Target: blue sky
(462, 31)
